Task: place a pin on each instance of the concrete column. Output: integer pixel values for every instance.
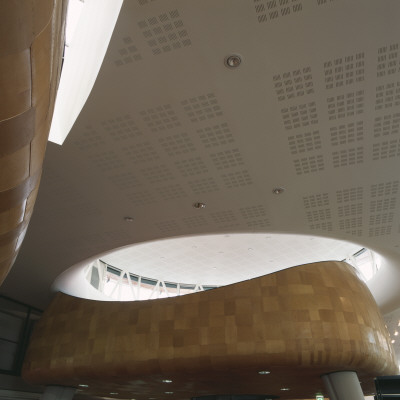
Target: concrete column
(343, 385)
(58, 393)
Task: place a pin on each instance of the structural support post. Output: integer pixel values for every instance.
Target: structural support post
(343, 385)
(58, 393)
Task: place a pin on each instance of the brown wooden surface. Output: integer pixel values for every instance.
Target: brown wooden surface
(297, 323)
(31, 41)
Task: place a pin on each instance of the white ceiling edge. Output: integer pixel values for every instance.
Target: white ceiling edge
(82, 61)
(223, 259)
(197, 259)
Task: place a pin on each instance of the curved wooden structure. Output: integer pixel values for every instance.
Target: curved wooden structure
(31, 48)
(297, 323)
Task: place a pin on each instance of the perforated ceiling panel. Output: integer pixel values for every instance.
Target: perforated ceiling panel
(313, 107)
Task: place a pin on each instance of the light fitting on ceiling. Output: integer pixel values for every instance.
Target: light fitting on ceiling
(285, 389)
(264, 372)
(128, 219)
(233, 61)
(167, 381)
(199, 205)
(278, 190)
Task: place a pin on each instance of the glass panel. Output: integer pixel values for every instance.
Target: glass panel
(8, 351)
(11, 327)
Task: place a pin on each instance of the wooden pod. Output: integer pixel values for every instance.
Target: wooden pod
(297, 324)
(31, 48)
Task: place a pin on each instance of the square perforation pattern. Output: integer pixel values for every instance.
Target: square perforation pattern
(386, 149)
(89, 139)
(387, 96)
(344, 71)
(171, 192)
(350, 210)
(346, 105)
(197, 221)
(203, 185)
(177, 144)
(227, 159)
(121, 128)
(316, 200)
(253, 212)
(293, 84)
(160, 118)
(322, 226)
(216, 135)
(350, 195)
(347, 133)
(308, 165)
(202, 107)
(192, 166)
(168, 226)
(125, 180)
(346, 157)
(141, 153)
(386, 125)
(388, 60)
(225, 218)
(382, 201)
(381, 205)
(142, 198)
(128, 53)
(259, 223)
(107, 161)
(165, 32)
(299, 116)
(157, 174)
(237, 179)
(301, 143)
(268, 10)
(385, 189)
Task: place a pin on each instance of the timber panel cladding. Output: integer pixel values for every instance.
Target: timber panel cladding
(30, 60)
(318, 316)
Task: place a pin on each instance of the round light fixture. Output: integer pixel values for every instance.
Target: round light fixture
(128, 219)
(167, 381)
(199, 205)
(285, 389)
(264, 372)
(233, 61)
(278, 190)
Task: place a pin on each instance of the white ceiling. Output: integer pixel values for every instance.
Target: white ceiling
(225, 259)
(313, 107)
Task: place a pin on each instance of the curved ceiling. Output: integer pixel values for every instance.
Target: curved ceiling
(313, 108)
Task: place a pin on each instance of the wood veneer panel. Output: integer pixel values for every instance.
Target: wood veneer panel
(11, 218)
(31, 43)
(15, 84)
(297, 323)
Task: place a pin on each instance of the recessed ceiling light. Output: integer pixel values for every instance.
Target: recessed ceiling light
(393, 341)
(278, 190)
(167, 380)
(199, 205)
(169, 392)
(285, 389)
(264, 372)
(396, 333)
(128, 219)
(113, 393)
(233, 61)
(82, 385)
